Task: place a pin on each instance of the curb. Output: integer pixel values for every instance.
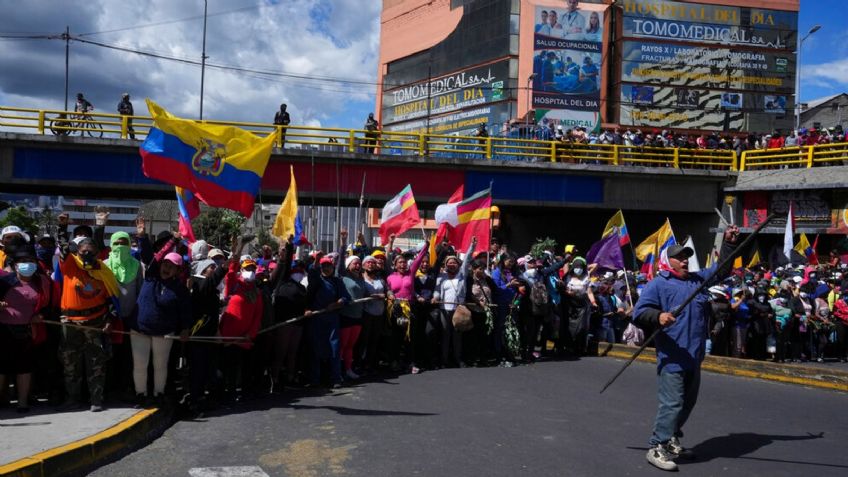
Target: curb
(811, 376)
(85, 454)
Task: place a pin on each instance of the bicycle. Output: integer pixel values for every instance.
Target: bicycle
(62, 125)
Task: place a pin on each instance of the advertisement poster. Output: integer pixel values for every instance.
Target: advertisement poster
(774, 104)
(567, 54)
(457, 91)
(717, 24)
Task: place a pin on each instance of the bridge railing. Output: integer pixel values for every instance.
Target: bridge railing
(835, 154)
(97, 124)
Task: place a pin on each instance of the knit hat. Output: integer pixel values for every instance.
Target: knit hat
(351, 260)
(199, 250)
(197, 268)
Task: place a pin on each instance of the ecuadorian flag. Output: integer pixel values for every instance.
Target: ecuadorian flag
(221, 165)
(650, 250)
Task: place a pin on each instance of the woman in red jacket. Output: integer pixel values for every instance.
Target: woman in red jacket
(241, 318)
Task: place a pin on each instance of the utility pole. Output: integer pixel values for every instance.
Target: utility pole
(203, 58)
(67, 38)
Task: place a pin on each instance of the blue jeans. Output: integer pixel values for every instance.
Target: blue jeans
(677, 394)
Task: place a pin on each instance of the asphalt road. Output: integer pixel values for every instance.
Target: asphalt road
(539, 420)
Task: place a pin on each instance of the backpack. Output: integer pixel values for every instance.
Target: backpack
(539, 298)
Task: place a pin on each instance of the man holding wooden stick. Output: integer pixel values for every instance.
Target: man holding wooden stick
(680, 344)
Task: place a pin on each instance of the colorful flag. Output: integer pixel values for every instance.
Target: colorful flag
(694, 265)
(804, 248)
(616, 223)
(399, 214)
(222, 165)
(606, 253)
(789, 233)
(189, 208)
(650, 250)
(755, 260)
(466, 219)
(812, 255)
(442, 231)
(287, 215)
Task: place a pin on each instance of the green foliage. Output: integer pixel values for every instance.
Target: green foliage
(538, 249)
(218, 226)
(20, 216)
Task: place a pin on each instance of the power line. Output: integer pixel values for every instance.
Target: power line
(179, 20)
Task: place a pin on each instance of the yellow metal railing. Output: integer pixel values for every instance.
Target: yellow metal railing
(95, 124)
(835, 154)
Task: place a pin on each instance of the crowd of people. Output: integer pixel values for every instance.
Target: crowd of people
(81, 320)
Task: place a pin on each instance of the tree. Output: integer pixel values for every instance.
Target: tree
(20, 216)
(218, 226)
(263, 237)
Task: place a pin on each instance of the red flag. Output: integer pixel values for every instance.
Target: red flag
(813, 256)
(466, 219)
(399, 215)
(442, 231)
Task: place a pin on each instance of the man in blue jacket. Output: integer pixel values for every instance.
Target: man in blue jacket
(680, 345)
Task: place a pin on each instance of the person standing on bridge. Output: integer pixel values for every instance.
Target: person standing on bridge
(681, 345)
(371, 126)
(125, 108)
(282, 118)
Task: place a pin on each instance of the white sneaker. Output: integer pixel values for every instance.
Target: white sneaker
(661, 458)
(677, 450)
(351, 375)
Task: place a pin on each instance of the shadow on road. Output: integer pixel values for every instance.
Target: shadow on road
(349, 411)
(739, 445)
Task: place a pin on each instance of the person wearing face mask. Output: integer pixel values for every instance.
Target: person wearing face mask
(289, 302)
(539, 306)
(325, 291)
(24, 297)
(164, 308)
(782, 320)
(89, 298)
(373, 315)
(11, 236)
(578, 301)
(128, 273)
(450, 290)
(819, 326)
(741, 320)
(801, 307)
(241, 318)
(761, 325)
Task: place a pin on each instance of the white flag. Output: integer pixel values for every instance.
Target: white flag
(694, 265)
(789, 233)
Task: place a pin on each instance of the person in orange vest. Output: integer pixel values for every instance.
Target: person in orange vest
(89, 292)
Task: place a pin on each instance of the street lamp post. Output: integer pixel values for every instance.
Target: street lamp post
(529, 98)
(203, 58)
(798, 76)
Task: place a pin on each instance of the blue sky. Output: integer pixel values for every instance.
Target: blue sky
(824, 55)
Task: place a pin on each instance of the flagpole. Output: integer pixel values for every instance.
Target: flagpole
(627, 282)
(489, 242)
(337, 240)
(312, 219)
(361, 201)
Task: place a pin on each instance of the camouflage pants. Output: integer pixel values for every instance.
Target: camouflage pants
(85, 351)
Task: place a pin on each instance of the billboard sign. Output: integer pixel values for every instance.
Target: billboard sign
(567, 57)
(717, 24)
(457, 91)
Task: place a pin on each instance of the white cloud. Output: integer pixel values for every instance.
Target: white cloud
(833, 74)
(305, 37)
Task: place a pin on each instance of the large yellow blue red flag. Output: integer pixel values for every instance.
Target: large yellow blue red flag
(222, 165)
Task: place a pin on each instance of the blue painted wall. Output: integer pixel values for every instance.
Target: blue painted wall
(541, 187)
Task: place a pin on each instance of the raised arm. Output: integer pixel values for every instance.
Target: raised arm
(418, 258)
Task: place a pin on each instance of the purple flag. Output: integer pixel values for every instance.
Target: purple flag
(606, 253)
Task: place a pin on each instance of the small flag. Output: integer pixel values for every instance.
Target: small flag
(616, 224)
(606, 253)
(467, 219)
(755, 260)
(189, 208)
(399, 215)
(694, 266)
(804, 248)
(789, 233)
(284, 225)
(442, 231)
(650, 250)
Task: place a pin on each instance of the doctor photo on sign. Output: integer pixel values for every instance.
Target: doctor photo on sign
(573, 22)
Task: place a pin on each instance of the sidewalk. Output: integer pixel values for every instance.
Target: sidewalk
(47, 443)
(831, 375)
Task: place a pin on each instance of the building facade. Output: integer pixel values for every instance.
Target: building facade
(447, 66)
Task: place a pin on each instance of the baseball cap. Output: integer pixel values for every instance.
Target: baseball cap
(216, 252)
(326, 260)
(680, 251)
(13, 229)
(175, 258)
